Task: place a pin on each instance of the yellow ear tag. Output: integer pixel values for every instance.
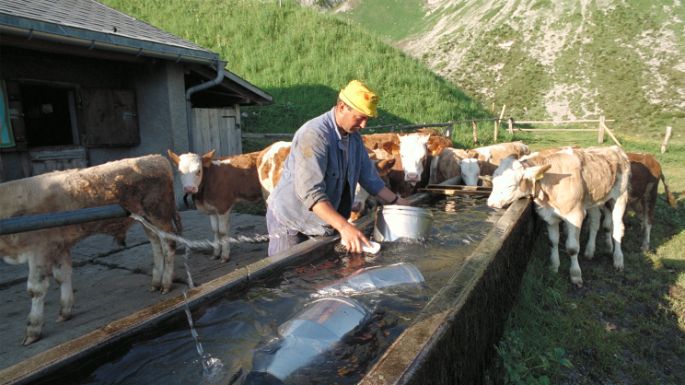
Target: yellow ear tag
(539, 176)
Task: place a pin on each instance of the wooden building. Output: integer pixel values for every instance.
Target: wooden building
(82, 84)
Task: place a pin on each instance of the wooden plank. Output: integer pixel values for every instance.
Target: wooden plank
(557, 129)
(561, 122)
(457, 190)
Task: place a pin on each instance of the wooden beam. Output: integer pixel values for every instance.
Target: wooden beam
(667, 137)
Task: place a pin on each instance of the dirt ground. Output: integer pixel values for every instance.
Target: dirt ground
(111, 282)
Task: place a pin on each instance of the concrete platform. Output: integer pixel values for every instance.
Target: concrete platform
(111, 282)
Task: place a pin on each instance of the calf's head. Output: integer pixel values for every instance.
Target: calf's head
(515, 183)
(190, 167)
(413, 154)
(469, 171)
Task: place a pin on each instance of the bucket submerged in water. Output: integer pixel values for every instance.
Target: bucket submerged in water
(402, 222)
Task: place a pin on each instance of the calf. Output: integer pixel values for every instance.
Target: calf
(143, 186)
(453, 162)
(216, 185)
(644, 185)
(270, 164)
(563, 186)
(489, 157)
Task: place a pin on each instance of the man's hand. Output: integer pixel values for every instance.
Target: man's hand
(352, 238)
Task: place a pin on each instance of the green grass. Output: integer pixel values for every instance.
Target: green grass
(303, 58)
(390, 19)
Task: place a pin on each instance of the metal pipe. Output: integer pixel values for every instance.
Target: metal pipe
(199, 87)
(63, 218)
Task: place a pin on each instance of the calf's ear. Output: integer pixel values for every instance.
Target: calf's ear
(174, 158)
(536, 173)
(207, 158)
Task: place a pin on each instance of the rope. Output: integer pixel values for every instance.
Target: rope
(201, 244)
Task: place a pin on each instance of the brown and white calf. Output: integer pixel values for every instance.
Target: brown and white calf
(644, 185)
(489, 157)
(454, 162)
(270, 163)
(563, 186)
(143, 186)
(216, 185)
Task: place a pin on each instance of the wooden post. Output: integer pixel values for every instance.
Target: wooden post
(667, 137)
(497, 122)
(611, 135)
(600, 130)
(475, 131)
(511, 125)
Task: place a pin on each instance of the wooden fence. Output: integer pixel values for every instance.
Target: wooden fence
(512, 127)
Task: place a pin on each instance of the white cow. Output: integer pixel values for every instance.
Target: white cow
(564, 185)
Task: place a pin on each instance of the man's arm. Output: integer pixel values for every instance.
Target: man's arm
(350, 235)
(389, 197)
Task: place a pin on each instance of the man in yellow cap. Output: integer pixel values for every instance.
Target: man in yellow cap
(327, 159)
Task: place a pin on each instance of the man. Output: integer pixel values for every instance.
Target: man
(315, 193)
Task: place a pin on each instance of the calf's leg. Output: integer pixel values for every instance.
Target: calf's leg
(594, 215)
(224, 227)
(157, 261)
(553, 233)
(37, 286)
(61, 271)
(573, 223)
(618, 228)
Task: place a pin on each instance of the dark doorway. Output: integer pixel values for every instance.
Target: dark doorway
(47, 115)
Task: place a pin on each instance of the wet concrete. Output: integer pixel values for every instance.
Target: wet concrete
(111, 282)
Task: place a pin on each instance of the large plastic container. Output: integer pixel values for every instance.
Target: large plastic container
(396, 222)
(374, 278)
(311, 332)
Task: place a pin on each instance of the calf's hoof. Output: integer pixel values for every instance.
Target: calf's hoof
(578, 281)
(63, 317)
(28, 340)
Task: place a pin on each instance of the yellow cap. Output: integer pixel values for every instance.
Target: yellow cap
(360, 97)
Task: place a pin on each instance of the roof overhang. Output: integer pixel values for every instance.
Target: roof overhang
(231, 90)
(92, 40)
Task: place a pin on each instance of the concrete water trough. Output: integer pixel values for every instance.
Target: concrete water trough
(450, 339)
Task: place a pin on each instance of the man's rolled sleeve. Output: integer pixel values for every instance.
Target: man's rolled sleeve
(310, 164)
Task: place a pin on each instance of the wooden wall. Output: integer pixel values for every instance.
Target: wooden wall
(217, 129)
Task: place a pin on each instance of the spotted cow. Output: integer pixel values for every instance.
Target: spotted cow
(143, 186)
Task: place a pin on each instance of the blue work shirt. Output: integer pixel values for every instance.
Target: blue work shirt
(315, 170)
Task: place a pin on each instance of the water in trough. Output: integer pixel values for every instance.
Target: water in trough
(239, 336)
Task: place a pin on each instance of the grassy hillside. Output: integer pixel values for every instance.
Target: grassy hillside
(302, 58)
(551, 59)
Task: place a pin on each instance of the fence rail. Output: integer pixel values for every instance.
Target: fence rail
(601, 129)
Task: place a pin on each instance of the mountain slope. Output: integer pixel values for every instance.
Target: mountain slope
(559, 60)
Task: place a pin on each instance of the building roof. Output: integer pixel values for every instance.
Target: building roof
(92, 26)
(87, 22)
